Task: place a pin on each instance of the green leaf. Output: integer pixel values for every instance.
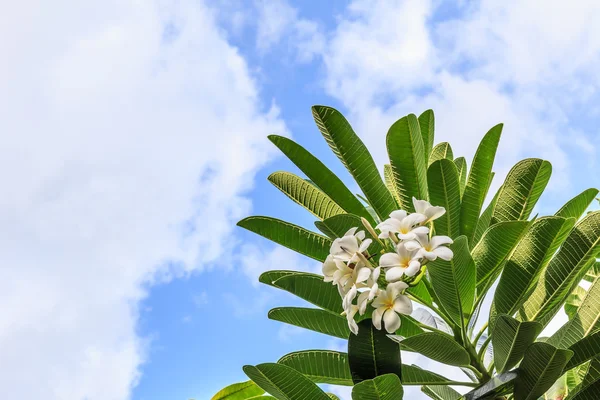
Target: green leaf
(444, 191)
(340, 224)
(584, 350)
(313, 289)
(593, 273)
(283, 382)
(564, 271)
(575, 207)
(238, 391)
(454, 281)
(332, 367)
(441, 392)
(478, 181)
(420, 293)
(586, 319)
(510, 339)
(371, 353)
(574, 301)
(388, 175)
(493, 249)
(408, 327)
(313, 319)
(320, 225)
(333, 396)
(322, 176)
(494, 388)
(590, 387)
(436, 346)
(320, 366)
(354, 155)
(384, 387)
(441, 151)
(305, 194)
(289, 235)
(484, 221)
(427, 125)
(541, 367)
(269, 277)
(523, 267)
(405, 149)
(461, 167)
(521, 190)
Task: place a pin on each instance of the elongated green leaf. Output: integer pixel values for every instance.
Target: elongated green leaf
(584, 350)
(322, 176)
(289, 235)
(332, 367)
(420, 293)
(313, 289)
(238, 391)
(269, 277)
(484, 221)
(494, 388)
(521, 190)
(437, 346)
(586, 319)
(305, 194)
(320, 225)
(523, 267)
(284, 382)
(384, 387)
(313, 319)
(441, 151)
(427, 125)
(371, 353)
(454, 281)
(575, 207)
(340, 224)
(478, 182)
(510, 339)
(541, 367)
(333, 396)
(564, 271)
(574, 301)
(320, 366)
(461, 167)
(408, 327)
(589, 389)
(444, 191)
(494, 248)
(593, 273)
(441, 392)
(388, 175)
(354, 155)
(405, 149)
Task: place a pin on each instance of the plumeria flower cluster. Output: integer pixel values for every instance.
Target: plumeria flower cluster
(362, 282)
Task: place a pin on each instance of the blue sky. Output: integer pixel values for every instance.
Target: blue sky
(133, 138)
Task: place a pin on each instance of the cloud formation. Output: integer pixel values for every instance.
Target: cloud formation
(112, 176)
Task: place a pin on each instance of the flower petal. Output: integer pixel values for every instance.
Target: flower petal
(351, 231)
(413, 268)
(421, 206)
(403, 305)
(433, 213)
(438, 241)
(412, 245)
(390, 260)
(398, 214)
(394, 274)
(365, 245)
(421, 230)
(376, 317)
(363, 274)
(444, 253)
(392, 321)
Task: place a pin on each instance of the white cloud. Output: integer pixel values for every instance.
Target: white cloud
(129, 134)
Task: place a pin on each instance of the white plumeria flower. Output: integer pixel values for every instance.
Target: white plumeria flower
(345, 276)
(349, 297)
(388, 304)
(402, 262)
(432, 248)
(430, 212)
(330, 267)
(350, 312)
(403, 225)
(368, 295)
(347, 247)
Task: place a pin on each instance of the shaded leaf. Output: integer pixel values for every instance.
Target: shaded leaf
(436, 346)
(371, 353)
(461, 167)
(510, 339)
(320, 366)
(441, 392)
(494, 388)
(427, 125)
(384, 387)
(388, 175)
(238, 391)
(313, 289)
(441, 151)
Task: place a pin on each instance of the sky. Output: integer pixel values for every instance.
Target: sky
(133, 138)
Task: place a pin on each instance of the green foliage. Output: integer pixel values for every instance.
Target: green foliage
(537, 264)
(371, 353)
